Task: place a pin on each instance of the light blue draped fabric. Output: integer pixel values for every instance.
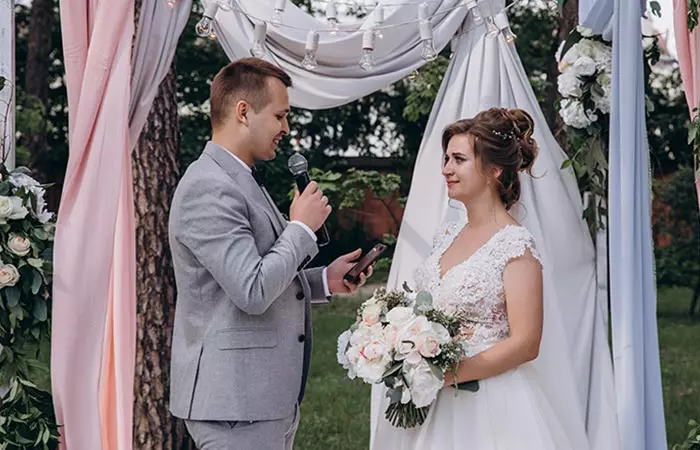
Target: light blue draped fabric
(632, 282)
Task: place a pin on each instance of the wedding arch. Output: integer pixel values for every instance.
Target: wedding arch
(110, 93)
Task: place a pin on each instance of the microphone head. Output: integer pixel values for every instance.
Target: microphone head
(297, 164)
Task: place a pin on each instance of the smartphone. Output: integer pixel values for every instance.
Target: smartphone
(369, 258)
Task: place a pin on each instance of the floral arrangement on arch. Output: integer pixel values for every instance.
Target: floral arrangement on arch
(585, 66)
(26, 246)
(585, 81)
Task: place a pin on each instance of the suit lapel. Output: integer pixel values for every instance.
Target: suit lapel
(245, 181)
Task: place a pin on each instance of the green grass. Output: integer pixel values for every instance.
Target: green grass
(679, 340)
(335, 412)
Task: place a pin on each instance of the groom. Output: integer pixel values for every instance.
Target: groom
(242, 332)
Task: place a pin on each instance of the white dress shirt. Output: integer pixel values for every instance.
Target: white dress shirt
(296, 222)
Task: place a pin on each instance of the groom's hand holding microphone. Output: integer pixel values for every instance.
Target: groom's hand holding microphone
(312, 209)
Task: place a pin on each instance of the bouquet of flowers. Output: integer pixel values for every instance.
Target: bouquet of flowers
(585, 66)
(400, 340)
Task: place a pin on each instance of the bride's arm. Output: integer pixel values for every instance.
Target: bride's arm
(522, 282)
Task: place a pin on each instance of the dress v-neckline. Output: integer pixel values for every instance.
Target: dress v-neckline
(441, 275)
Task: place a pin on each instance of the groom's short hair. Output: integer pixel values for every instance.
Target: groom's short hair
(244, 79)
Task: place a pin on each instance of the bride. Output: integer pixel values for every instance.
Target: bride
(487, 271)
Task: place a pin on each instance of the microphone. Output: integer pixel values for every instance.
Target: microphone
(299, 168)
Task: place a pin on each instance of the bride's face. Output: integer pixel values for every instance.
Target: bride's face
(463, 171)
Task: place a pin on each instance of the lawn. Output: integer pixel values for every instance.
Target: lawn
(335, 412)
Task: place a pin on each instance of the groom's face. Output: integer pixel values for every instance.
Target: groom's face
(268, 125)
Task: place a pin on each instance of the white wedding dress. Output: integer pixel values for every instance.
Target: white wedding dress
(511, 411)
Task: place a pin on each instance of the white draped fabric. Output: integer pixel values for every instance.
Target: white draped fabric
(484, 72)
(632, 284)
(338, 79)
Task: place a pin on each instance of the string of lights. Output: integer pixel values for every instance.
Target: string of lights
(495, 24)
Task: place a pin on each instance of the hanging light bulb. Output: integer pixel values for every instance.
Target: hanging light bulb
(309, 61)
(428, 51)
(491, 29)
(225, 5)
(276, 19)
(501, 21)
(552, 5)
(205, 26)
(258, 48)
(378, 21)
(332, 18)
(367, 60)
(473, 9)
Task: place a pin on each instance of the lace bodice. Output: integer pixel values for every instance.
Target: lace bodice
(473, 289)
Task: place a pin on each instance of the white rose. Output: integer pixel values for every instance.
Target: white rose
(5, 207)
(416, 327)
(585, 66)
(20, 180)
(583, 31)
(373, 362)
(585, 47)
(427, 344)
(573, 114)
(569, 85)
(9, 276)
(400, 316)
(19, 245)
(441, 333)
(391, 335)
(18, 209)
(423, 383)
(371, 314)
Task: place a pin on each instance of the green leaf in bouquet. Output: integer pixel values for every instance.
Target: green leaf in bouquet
(17, 312)
(35, 262)
(393, 370)
(40, 234)
(436, 370)
(12, 294)
(39, 311)
(36, 282)
(5, 188)
(424, 302)
(395, 394)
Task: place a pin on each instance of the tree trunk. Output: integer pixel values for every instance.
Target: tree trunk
(567, 22)
(156, 172)
(37, 74)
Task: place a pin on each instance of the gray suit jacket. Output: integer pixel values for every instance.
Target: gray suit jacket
(242, 331)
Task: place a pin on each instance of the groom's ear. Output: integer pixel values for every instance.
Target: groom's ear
(240, 112)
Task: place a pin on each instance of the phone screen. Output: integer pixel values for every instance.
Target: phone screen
(367, 260)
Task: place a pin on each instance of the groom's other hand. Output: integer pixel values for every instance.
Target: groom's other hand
(337, 270)
(310, 207)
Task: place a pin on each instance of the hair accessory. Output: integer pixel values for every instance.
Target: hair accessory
(504, 136)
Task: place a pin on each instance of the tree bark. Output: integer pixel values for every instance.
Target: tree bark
(567, 22)
(37, 73)
(156, 172)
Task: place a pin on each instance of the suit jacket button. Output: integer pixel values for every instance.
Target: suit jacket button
(300, 296)
(302, 338)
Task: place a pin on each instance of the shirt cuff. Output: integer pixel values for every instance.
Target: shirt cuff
(305, 227)
(324, 277)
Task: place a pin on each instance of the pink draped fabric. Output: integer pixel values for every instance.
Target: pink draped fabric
(688, 47)
(94, 313)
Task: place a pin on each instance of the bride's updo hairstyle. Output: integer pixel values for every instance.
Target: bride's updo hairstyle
(502, 138)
